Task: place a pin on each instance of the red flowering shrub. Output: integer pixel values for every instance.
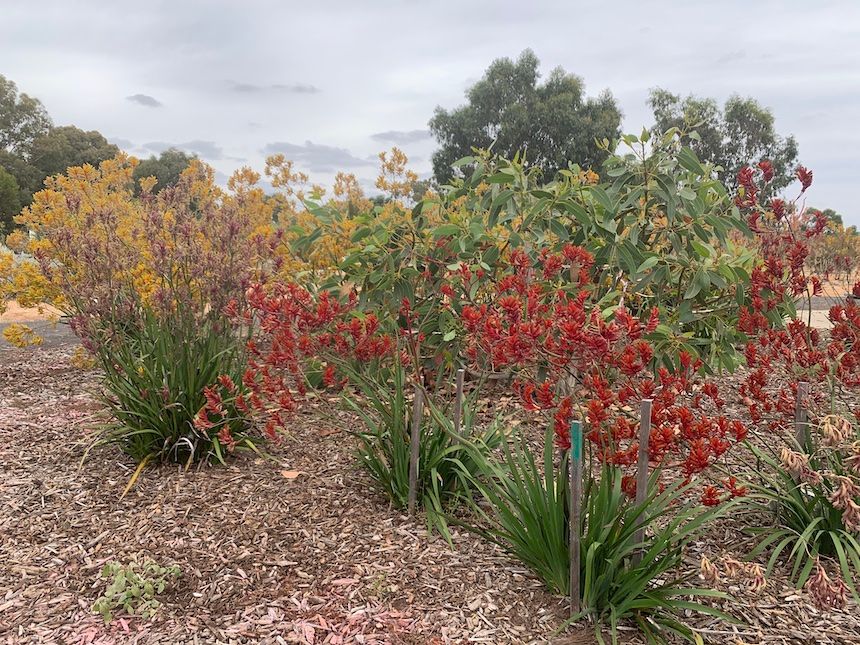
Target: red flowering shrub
(293, 326)
(783, 349)
(584, 325)
(563, 286)
(657, 218)
(574, 360)
(811, 478)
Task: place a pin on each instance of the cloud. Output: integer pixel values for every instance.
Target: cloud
(123, 144)
(157, 146)
(280, 88)
(230, 54)
(204, 149)
(298, 88)
(145, 100)
(731, 57)
(402, 137)
(317, 157)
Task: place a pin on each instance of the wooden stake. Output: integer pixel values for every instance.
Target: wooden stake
(642, 469)
(458, 401)
(414, 446)
(575, 529)
(800, 420)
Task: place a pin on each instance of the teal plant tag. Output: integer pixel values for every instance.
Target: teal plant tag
(576, 440)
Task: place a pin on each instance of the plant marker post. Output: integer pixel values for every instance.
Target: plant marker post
(458, 401)
(415, 437)
(800, 420)
(642, 469)
(575, 469)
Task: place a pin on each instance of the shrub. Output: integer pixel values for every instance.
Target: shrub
(780, 342)
(812, 483)
(156, 378)
(812, 491)
(103, 253)
(446, 460)
(146, 280)
(296, 330)
(835, 253)
(563, 286)
(527, 513)
(133, 588)
(657, 219)
(572, 355)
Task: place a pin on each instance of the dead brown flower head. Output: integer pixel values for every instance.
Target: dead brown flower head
(709, 572)
(826, 593)
(794, 462)
(757, 581)
(836, 430)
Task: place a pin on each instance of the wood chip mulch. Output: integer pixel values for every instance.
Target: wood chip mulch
(296, 548)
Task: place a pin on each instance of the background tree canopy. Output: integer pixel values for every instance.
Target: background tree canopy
(10, 202)
(740, 134)
(508, 110)
(166, 168)
(69, 146)
(31, 148)
(22, 118)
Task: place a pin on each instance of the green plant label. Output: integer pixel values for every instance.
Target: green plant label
(576, 440)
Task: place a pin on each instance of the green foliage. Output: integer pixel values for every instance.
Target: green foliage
(22, 119)
(27, 176)
(660, 233)
(10, 202)
(31, 148)
(445, 460)
(133, 588)
(67, 146)
(387, 263)
(166, 168)
(525, 510)
(806, 523)
(660, 228)
(154, 376)
(508, 111)
(740, 134)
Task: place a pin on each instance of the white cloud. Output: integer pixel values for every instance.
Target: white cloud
(208, 150)
(277, 88)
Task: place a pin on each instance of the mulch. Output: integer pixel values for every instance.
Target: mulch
(293, 548)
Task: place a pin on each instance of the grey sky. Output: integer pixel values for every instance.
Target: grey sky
(331, 84)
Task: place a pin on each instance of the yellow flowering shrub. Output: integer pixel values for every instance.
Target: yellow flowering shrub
(21, 335)
(97, 249)
(82, 359)
(89, 237)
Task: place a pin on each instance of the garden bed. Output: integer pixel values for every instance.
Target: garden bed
(290, 547)
(296, 548)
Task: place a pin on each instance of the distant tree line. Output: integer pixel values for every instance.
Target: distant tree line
(551, 123)
(32, 148)
(554, 124)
